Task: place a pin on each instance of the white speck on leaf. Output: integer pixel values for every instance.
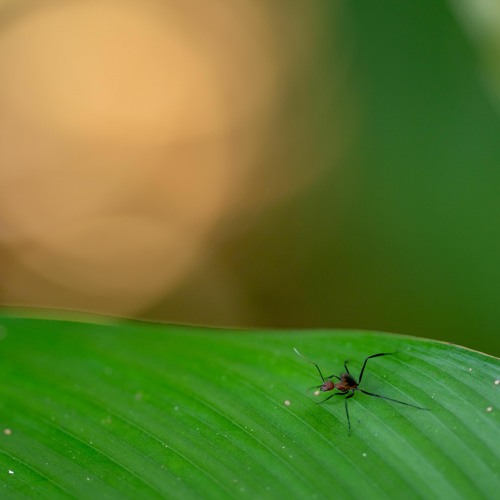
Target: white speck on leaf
(489, 409)
(287, 402)
(497, 381)
(11, 471)
(7, 432)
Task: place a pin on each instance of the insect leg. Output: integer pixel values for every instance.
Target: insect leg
(347, 410)
(394, 400)
(331, 396)
(369, 357)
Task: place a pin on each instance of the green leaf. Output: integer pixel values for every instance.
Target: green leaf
(139, 410)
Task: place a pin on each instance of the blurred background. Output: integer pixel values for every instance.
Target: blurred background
(254, 163)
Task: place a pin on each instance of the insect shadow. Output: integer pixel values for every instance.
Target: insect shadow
(347, 384)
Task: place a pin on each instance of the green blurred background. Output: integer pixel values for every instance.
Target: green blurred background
(403, 234)
(375, 186)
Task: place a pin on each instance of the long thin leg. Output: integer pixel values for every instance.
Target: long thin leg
(331, 396)
(347, 410)
(394, 400)
(370, 357)
(345, 367)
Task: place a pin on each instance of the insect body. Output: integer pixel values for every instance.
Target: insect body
(347, 384)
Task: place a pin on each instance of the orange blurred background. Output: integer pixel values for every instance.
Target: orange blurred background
(131, 133)
(254, 163)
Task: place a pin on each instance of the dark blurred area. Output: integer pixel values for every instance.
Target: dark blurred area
(255, 164)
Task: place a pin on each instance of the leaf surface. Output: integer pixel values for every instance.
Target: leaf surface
(113, 409)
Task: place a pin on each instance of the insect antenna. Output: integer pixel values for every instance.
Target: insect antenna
(312, 363)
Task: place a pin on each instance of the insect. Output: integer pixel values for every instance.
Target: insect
(347, 384)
